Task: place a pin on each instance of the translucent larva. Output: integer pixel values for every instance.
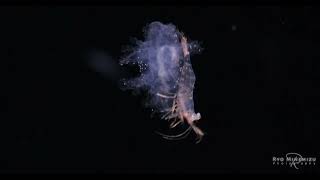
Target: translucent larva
(166, 75)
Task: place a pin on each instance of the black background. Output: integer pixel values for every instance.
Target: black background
(257, 90)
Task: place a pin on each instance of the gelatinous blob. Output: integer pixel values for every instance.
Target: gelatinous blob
(166, 74)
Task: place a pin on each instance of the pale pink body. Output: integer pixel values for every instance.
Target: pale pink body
(180, 113)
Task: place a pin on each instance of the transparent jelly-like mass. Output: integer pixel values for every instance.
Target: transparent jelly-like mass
(165, 70)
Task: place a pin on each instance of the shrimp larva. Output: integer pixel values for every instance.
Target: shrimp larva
(166, 74)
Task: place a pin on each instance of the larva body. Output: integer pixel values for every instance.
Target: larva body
(182, 109)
